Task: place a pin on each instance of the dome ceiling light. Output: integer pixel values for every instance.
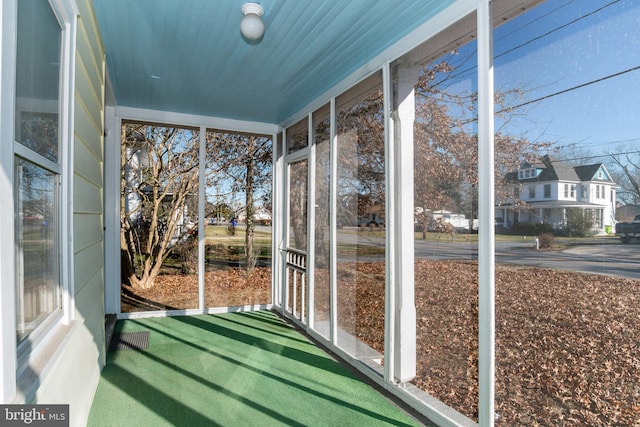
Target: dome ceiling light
(251, 26)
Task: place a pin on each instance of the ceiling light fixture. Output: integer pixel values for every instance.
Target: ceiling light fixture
(251, 26)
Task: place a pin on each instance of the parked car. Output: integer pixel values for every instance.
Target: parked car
(628, 230)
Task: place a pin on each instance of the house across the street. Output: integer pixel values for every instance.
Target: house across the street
(550, 192)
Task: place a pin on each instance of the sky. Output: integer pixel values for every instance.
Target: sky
(577, 63)
(581, 59)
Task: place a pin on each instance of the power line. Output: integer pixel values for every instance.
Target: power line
(599, 156)
(551, 95)
(533, 21)
(560, 92)
(582, 144)
(556, 29)
(464, 73)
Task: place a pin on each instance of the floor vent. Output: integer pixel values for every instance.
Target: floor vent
(130, 341)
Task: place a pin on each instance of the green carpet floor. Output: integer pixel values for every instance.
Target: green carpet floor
(236, 369)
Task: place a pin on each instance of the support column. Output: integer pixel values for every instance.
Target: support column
(404, 316)
(486, 214)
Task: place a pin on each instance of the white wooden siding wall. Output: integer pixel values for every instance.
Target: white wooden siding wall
(85, 344)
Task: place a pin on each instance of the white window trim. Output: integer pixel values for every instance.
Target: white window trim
(8, 360)
(49, 336)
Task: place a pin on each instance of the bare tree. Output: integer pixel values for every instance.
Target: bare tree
(240, 164)
(159, 187)
(361, 158)
(446, 145)
(627, 170)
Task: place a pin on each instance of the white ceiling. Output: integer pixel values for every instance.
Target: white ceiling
(187, 56)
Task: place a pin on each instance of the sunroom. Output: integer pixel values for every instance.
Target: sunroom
(284, 160)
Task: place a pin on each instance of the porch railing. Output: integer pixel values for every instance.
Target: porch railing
(296, 279)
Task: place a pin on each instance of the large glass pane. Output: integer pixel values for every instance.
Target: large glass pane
(322, 259)
(360, 217)
(37, 245)
(38, 78)
(297, 219)
(37, 197)
(298, 136)
(446, 224)
(238, 219)
(567, 289)
(159, 217)
(298, 173)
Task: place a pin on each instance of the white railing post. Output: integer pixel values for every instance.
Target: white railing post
(404, 342)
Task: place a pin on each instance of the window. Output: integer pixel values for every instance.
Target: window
(546, 37)
(37, 168)
(322, 140)
(532, 191)
(572, 191)
(38, 279)
(298, 136)
(361, 193)
(445, 160)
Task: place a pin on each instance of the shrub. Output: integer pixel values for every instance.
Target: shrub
(579, 223)
(187, 253)
(546, 240)
(531, 228)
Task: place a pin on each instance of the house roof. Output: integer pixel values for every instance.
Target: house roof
(589, 173)
(188, 56)
(559, 170)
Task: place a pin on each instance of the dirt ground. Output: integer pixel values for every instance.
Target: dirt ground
(567, 349)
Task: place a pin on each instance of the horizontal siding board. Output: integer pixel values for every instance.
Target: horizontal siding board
(86, 165)
(88, 27)
(91, 59)
(87, 230)
(88, 97)
(89, 298)
(89, 262)
(86, 131)
(91, 88)
(87, 196)
(81, 354)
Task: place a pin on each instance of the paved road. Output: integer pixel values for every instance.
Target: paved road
(600, 255)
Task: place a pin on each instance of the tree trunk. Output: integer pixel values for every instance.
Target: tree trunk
(249, 208)
(127, 269)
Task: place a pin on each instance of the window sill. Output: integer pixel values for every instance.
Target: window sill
(40, 362)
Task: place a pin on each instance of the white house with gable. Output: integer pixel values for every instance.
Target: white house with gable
(545, 193)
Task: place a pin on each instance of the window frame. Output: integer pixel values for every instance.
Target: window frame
(45, 341)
